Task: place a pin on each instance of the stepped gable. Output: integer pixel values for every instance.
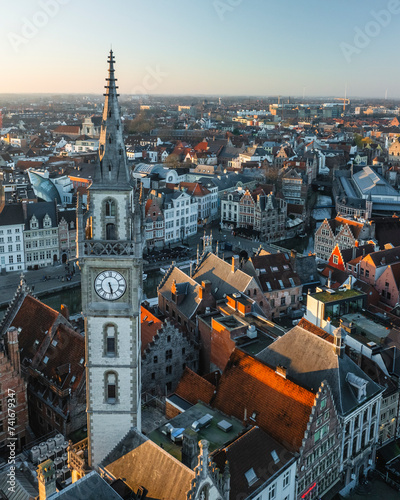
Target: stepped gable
(150, 326)
(22, 291)
(280, 407)
(194, 388)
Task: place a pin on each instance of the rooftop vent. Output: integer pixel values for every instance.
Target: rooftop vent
(252, 332)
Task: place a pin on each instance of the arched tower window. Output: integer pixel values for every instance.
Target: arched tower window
(110, 340)
(110, 208)
(111, 387)
(110, 214)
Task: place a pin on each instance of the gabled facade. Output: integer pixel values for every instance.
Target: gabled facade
(346, 233)
(314, 357)
(301, 420)
(155, 225)
(166, 351)
(41, 234)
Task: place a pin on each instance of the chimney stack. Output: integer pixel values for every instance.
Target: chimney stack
(13, 348)
(233, 264)
(338, 342)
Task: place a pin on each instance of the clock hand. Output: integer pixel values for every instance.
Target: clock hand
(111, 290)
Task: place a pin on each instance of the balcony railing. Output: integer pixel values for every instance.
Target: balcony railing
(103, 247)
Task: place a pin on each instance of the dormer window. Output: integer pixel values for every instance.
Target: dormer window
(34, 223)
(46, 221)
(358, 384)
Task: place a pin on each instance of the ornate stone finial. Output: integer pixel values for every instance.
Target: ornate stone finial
(226, 480)
(22, 281)
(203, 458)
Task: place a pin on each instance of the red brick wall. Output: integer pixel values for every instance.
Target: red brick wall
(171, 411)
(11, 380)
(205, 346)
(221, 348)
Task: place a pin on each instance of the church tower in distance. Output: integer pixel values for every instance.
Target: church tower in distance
(110, 250)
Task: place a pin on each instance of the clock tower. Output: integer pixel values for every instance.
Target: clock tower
(110, 249)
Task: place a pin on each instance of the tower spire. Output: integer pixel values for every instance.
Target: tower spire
(112, 170)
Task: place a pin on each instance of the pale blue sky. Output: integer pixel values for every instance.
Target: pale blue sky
(248, 47)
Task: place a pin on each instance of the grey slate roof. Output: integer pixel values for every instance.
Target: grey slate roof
(185, 285)
(220, 274)
(39, 210)
(89, 487)
(310, 360)
(11, 214)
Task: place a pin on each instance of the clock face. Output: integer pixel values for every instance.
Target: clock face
(110, 285)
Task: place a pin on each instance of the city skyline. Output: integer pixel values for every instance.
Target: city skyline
(216, 47)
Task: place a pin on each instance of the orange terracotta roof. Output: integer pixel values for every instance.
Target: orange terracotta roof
(65, 129)
(280, 407)
(193, 387)
(201, 146)
(40, 326)
(150, 326)
(194, 188)
(319, 332)
(350, 222)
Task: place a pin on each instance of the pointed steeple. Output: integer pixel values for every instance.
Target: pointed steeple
(112, 170)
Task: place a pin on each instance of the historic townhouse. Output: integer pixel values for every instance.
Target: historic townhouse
(314, 357)
(12, 251)
(166, 351)
(230, 208)
(279, 282)
(180, 213)
(303, 421)
(52, 364)
(206, 199)
(41, 234)
(154, 224)
(346, 233)
(372, 267)
(247, 204)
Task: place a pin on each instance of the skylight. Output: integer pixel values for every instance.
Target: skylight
(251, 476)
(275, 456)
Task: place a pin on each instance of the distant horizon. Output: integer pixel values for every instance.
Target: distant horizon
(244, 96)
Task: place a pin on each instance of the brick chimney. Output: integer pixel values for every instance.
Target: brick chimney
(206, 285)
(233, 264)
(65, 311)
(13, 348)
